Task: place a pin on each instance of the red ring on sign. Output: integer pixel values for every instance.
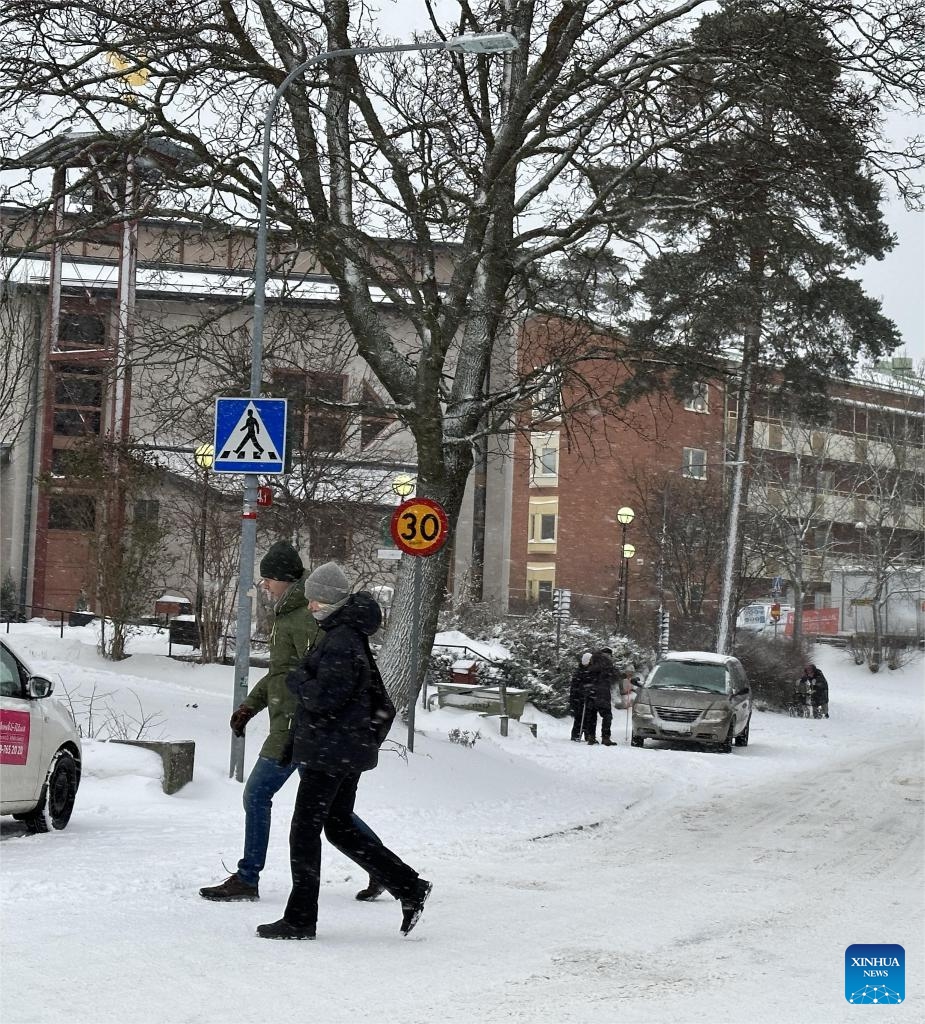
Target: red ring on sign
(419, 526)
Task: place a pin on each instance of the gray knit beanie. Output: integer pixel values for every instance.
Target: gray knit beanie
(327, 584)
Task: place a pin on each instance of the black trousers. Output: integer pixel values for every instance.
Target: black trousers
(325, 802)
(591, 722)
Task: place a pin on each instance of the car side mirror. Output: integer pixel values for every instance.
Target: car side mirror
(740, 691)
(40, 687)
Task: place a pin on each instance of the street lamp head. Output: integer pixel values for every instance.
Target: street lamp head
(629, 550)
(204, 456)
(487, 42)
(625, 515)
(403, 485)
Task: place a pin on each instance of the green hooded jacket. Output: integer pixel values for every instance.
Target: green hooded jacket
(294, 631)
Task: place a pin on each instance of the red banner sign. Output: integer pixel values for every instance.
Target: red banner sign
(815, 621)
(14, 737)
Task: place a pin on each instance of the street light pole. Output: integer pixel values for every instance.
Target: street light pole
(490, 42)
(628, 551)
(204, 457)
(625, 516)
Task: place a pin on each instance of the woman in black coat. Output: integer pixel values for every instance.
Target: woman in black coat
(815, 685)
(342, 716)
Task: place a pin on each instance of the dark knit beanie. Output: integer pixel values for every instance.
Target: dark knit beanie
(282, 562)
(327, 584)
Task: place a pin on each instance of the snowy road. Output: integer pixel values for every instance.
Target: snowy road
(699, 887)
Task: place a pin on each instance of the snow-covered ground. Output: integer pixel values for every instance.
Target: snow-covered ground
(571, 883)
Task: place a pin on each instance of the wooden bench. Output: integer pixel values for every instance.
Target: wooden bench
(485, 700)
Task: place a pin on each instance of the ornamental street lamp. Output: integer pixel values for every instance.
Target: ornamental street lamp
(489, 42)
(625, 516)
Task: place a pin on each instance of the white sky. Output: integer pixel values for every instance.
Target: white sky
(899, 280)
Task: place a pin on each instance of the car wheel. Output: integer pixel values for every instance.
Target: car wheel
(726, 746)
(637, 741)
(742, 738)
(58, 795)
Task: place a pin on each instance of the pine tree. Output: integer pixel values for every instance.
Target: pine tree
(768, 212)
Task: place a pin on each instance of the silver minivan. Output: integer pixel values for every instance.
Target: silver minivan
(695, 697)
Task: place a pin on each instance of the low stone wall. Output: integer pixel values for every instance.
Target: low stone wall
(177, 757)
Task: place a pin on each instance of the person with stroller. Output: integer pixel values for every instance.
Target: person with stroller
(814, 689)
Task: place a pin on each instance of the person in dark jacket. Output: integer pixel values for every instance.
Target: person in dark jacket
(602, 675)
(335, 737)
(579, 690)
(815, 686)
(294, 629)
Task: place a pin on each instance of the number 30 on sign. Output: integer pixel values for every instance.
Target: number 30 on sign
(419, 526)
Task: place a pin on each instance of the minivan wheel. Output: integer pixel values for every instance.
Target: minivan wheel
(726, 746)
(637, 741)
(742, 738)
(58, 795)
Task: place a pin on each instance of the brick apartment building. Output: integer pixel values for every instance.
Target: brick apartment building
(568, 485)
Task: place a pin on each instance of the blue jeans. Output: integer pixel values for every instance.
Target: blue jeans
(266, 779)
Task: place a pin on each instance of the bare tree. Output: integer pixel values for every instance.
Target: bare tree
(679, 517)
(801, 487)
(491, 170)
(890, 508)
(20, 343)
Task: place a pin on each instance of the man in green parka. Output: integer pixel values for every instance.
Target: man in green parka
(294, 630)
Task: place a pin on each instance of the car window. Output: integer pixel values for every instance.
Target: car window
(689, 675)
(10, 678)
(739, 676)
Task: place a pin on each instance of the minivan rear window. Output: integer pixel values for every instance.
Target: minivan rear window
(688, 675)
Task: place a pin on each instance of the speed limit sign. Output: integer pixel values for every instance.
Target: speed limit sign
(419, 526)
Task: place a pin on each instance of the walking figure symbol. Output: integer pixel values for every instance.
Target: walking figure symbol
(250, 448)
(251, 430)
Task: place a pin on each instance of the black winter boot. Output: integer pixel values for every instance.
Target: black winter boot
(231, 890)
(282, 929)
(371, 891)
(608, 742)
(413, 907)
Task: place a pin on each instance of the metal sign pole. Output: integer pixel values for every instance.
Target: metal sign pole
(415, 647)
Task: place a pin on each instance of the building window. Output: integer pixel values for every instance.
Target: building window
(541, 579)
(699, 398)
(316, 424)
(775, 437)
(547, 403)
(78, 392)
(77, 331)
(542, 527)
(545, 454)
(146, 512)
(329, 537)
(694, 463)
(372, 424)
(72, 512)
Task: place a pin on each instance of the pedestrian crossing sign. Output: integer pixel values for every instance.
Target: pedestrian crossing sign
(250, 435)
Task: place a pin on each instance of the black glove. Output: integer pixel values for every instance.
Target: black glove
(240, 719)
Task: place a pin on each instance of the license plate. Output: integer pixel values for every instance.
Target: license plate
(682, 728)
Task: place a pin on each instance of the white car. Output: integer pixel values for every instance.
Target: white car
(40, 752)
